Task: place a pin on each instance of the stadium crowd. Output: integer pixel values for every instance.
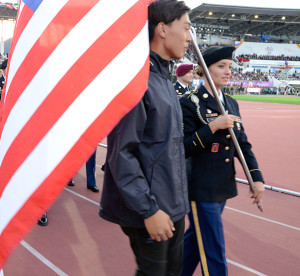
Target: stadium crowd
(255, 75)
(240, 80)
(268, 57)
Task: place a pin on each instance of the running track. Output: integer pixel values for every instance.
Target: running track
(78, 242)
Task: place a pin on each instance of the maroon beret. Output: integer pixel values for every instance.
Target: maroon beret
(183, 69)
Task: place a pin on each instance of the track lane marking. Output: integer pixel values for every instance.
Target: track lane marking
(262, 218)
(43, 259)
(60, 272)
(228, 260)
(245, 268)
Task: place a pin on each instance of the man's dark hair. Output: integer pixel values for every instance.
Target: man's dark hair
(165, 11)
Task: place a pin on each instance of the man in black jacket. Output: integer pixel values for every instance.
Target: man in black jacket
(145, 189)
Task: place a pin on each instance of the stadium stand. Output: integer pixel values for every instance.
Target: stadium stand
(251, 24)
(267, 56)
(7, 12)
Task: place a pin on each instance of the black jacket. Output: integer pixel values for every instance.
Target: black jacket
(145, 164)
(211, 156)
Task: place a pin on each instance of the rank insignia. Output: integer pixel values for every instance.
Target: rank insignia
(215, 147)
(237, 119)
(212, 115)
(205, 95)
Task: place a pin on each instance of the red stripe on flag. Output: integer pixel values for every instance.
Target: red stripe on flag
(34, 207)
(69, 88)
(46, 194)
(59, 27)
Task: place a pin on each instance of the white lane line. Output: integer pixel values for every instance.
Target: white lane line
(262, 218)
(83, 197)
(43, 259)
(245, 213)
(245, 268)
(229, 261)
(229, 208)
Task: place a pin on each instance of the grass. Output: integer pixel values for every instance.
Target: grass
(270, 99)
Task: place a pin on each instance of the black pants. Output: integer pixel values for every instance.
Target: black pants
(157, 258)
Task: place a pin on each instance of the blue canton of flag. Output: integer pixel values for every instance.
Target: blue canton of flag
(32, 4)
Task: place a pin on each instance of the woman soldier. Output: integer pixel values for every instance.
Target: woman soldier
(211, 173)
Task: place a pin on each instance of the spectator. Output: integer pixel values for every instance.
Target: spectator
(184, 73)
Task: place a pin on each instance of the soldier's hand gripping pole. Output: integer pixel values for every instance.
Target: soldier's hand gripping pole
(222, 110)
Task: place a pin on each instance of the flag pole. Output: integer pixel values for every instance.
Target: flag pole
(222, 110)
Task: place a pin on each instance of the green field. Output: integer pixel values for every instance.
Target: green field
(270, 99)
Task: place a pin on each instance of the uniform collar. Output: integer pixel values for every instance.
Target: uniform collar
(222, 98)
(206, 97)
(184, 86)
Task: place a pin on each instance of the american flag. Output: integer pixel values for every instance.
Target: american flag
(76, 67)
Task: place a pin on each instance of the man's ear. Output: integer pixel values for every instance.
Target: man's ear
(161, 29)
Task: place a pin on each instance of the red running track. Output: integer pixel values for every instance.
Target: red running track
(78, 242)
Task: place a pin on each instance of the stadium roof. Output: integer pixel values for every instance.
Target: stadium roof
(240, 22)
(7, 13)
(243, 25)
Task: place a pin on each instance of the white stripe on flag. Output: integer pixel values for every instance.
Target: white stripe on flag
(21, 6)
(60, 61)
(35, 27)
(62, 137)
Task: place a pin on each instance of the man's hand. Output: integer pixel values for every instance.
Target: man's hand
(258, 193)
(159, 226)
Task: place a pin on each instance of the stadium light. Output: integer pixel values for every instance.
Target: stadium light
(256, 16)
(283, 17)
(210, 13)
